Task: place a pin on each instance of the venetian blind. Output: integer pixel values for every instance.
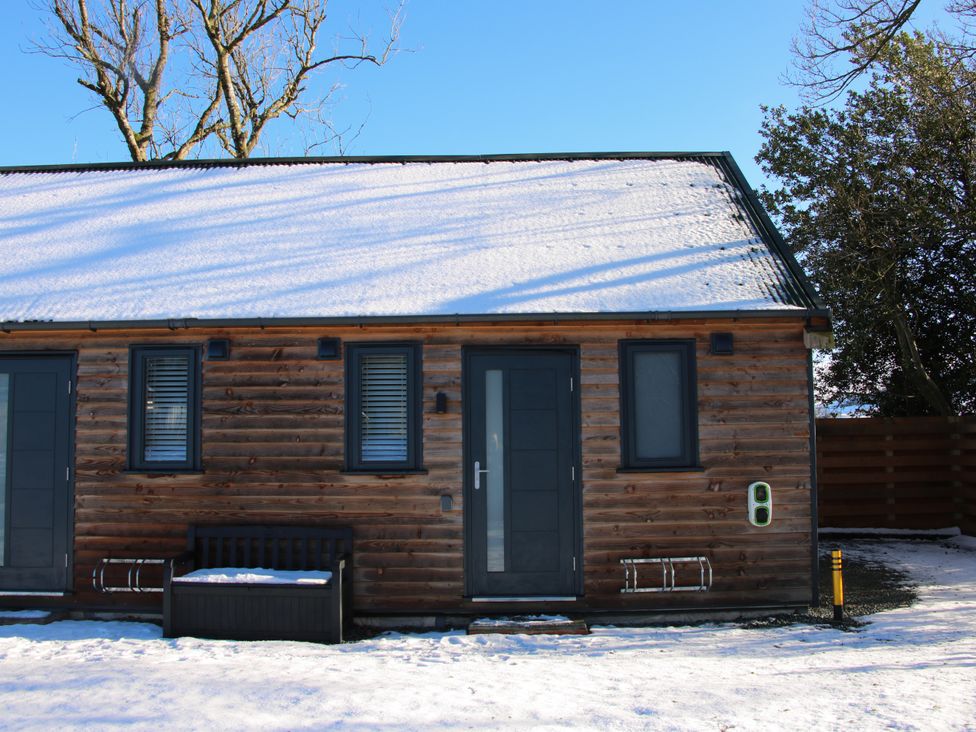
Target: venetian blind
(383, 400)
(167, 393)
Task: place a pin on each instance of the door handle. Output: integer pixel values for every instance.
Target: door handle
(477, 475)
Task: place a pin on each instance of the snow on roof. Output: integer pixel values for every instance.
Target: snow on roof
(338, 239)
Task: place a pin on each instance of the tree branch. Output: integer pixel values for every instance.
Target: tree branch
(857, 32)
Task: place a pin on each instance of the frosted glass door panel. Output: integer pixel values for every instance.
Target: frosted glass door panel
(495, 465)
(4, 421)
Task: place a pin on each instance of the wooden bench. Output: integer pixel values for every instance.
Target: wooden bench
(311, 609)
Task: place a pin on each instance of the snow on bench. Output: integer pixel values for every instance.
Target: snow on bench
(255, 576)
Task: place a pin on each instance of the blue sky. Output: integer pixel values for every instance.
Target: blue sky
(485, 77)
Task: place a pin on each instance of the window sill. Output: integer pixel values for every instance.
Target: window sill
(162, 471)
(675, 469)
(386, 472)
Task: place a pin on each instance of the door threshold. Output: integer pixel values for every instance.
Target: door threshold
(521, 598)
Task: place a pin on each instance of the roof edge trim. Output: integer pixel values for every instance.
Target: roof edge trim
(10, 326)
(772, 234)
(371, 159)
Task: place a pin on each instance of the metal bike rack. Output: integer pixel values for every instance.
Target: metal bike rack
(667, 574)
(134, 578)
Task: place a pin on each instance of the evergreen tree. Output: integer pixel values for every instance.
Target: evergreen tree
(878, 200)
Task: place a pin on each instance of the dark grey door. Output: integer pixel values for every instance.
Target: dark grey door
(520, 474)
(35, 486)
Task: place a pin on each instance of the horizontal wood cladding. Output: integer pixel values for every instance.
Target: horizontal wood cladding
(904, 473)
(272, 451)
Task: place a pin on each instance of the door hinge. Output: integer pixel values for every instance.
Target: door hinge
(572, 472)
(67, 472)
(69, 387)
(570, 383)
(66, 560)
(574, 563)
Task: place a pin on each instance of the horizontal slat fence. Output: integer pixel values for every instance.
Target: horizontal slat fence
(903, 473)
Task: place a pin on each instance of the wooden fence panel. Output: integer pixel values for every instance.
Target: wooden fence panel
(904, 473)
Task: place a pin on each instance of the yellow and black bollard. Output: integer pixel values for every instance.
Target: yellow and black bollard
(838, 572)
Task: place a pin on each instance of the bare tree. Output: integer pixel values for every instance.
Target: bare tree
(175, 73)
(842, 39)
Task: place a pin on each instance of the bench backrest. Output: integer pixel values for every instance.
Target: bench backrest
(271, 547)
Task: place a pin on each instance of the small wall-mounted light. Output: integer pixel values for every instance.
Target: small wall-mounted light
(218, 349)
(722, 344)
(440, 403)
(329, 349)
(447, 503)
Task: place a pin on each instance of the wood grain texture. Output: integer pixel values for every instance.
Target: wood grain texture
(272, 429)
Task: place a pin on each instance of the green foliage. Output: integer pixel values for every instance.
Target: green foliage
(877, 199)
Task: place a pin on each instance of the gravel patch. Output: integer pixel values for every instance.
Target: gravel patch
(871, 585)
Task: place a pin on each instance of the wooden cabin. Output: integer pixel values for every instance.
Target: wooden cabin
(529, 383)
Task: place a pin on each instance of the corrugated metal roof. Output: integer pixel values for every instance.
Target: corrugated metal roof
(334, 238)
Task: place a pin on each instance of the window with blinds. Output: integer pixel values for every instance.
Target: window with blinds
(383, 399)
(164, 432)
(383, 406)
(166, 429)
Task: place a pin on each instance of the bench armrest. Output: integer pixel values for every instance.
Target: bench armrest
(178, 565)
(341, 564)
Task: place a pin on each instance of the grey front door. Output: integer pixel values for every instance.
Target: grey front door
(35, 484)
(521, 501)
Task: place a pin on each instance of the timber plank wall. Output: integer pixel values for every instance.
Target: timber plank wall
(272, 449)
(904, 473)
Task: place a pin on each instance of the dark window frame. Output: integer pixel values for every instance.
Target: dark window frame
(689, 458)
(137, 410)
(353, 355)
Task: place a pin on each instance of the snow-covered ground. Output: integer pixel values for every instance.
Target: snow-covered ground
(912, 668)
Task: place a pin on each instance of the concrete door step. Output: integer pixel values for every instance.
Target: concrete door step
(529, 625)
(31, 617)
